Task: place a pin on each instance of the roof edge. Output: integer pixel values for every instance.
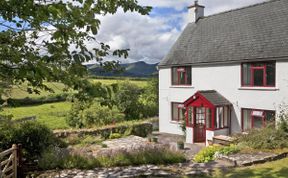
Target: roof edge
(241, 8)
(226, 62)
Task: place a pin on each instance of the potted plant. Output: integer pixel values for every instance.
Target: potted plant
(180, 144)
(155, 139)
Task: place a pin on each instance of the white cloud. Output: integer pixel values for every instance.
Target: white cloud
(150, 37)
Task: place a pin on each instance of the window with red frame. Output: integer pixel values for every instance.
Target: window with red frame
(178, 112)
(260, 74)
(181, 75)
(253, 118)
(190, 120)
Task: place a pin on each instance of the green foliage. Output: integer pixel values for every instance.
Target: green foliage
(34, 137)
(115, 135)
(85, 115)
(283, 118)
(127, 100)
(52, 115)
(27, 101)
(266, 138)
(27, 56)
(206, 154)
(122, 158)
(227, 150)
(149, 99)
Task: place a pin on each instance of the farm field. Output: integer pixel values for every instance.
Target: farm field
(139, 83)
(52, 115)
(19, 92)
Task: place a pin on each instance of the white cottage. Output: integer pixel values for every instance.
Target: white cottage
(226, 73)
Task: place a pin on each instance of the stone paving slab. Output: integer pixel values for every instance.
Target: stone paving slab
(248, 159)
(175, 170)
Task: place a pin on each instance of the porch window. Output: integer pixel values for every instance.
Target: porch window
(190, 113)
(181, 75)
(258, 74)
(222, 115)
(178, 112)
(253, 118)
(208, 118)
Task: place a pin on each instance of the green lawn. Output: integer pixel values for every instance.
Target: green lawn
(52, 115)
(275, 169)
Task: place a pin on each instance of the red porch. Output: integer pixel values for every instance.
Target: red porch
(207, 111)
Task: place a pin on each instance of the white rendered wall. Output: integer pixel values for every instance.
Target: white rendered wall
(189, 135)
(226, 80)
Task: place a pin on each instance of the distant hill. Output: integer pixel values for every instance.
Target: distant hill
(137, 69)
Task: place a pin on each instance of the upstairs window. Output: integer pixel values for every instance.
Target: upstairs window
(178, 112)
(260, 74)
(181, 75)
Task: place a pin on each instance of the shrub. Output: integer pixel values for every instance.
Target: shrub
(115, 135)
(52, 98)
(206, 154)
(227, 150)
(149, 99)
(127, 100)
(85, 115)
(97, 115)
(266, 138)
(52, 160)
(34, 137)
(283, 118)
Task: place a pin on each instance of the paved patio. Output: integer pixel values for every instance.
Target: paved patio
(171, 140)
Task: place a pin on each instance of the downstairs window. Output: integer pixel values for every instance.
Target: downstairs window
(253, 118)
(178, 112)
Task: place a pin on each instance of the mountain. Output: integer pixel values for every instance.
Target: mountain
(136, 69)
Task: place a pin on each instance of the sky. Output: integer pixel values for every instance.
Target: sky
(149, 38)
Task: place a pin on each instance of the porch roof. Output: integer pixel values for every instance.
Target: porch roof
(212, 96)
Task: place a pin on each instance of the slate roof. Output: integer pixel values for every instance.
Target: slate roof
(258, 32)
(215, 98)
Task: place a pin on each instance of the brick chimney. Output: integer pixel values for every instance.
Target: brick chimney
(196, 12)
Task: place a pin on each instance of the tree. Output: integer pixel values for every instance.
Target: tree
(150, 98)
(45, 40)
(127, 100)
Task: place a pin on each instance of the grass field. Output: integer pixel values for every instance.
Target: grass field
(275, 169)
(112, 81)
(19, 92)
(52, 115)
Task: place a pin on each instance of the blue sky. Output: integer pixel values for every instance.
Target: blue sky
(150, 37)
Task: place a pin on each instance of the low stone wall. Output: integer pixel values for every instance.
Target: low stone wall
(241, 159)
(141, 129)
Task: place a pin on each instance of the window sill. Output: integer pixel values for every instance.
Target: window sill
(218, 129)
(181, 86)
(175, 122)
(259, 88)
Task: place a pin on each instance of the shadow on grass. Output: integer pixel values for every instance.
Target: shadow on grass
(249, 172)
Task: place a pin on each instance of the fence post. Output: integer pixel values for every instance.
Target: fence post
(20, 159)
(15, 162)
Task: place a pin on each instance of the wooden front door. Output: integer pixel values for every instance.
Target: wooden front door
(199, 126)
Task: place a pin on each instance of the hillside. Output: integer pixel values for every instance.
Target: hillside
(137, 69)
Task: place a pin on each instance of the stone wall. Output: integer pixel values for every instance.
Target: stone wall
(140, 129)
